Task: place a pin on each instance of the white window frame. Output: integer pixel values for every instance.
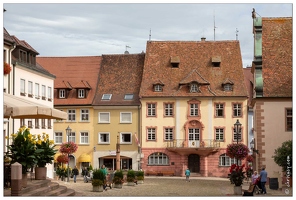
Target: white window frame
(219, 107)
(23, 86)
(30, 88)
(168, 110)
(168, 134)
(71, 115)
(123, 136)
(151, 109)
(84, 115)
(100, 118)
(225, 160)
(43, 91)
(58, 137)
(158, 158)
(37, 91)
(122, 117)
(81, 93)
(62, 93)
(72, 137)
(106, 96)
(193, 88)
(237, 109)
(158, 88)
(219, 135)
(151, 134)
(128, 97)
(84, 135)
(49, 92)
(102, 135)
(194, 109)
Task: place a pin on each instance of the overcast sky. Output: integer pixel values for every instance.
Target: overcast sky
(92, 29)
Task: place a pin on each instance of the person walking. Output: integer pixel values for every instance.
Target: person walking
(85, 174)
(263, 179)
(105, 172)
(187, 174)
(75, 172)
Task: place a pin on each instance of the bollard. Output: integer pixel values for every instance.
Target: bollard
(16, 179)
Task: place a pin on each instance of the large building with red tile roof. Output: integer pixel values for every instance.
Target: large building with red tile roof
(74, 90)
(272, 99)
(192, 93)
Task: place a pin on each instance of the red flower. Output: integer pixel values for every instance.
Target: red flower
(6, 68)
(249, 158)
(63, 158)
(238, 151)
(68, 148)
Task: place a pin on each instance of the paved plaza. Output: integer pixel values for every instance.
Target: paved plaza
(168, 187)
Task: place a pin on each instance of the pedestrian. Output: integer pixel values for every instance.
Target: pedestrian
(105, 172)
(187, 174)
(263, 179)
(254, 177)
(85, 174)
(75, 172)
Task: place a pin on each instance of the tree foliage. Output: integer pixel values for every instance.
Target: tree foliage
(283, 155)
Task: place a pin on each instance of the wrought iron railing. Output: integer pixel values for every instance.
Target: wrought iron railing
(206, 143)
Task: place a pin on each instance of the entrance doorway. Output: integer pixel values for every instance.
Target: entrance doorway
(194, 163)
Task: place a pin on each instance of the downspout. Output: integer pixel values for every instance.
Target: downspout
(140, 136)
(11, 48)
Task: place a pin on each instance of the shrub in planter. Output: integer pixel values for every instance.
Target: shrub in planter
(97, 182)
(118, 177)
(98, 174)
(140, 175)
(130, 176)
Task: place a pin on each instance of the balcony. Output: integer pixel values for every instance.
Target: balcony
(186, 147)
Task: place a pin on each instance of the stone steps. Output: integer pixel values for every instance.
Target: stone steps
(44, 188)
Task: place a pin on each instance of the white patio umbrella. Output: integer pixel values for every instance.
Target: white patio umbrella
(20, 108)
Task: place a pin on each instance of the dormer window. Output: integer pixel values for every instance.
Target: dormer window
(216, 60)
(194, 88)
(62, 93)
(175, 60)
(158, 88)
(228, 87)
(106, 96)
(81, 93)
(128, 97)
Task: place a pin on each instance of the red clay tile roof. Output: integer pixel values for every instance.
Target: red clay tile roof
(120, 75)
(7, 37)
(277, 57)
(195, 64)
(24, 44)
(69, 72)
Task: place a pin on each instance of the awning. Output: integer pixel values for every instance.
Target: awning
(84, 158)
(20, 108)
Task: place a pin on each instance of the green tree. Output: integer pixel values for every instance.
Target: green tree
(283, 156)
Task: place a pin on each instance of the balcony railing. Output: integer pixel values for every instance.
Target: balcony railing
(206, 143)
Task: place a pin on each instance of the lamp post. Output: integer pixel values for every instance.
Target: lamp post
(237, 128)
(68, 132)
(252, 143)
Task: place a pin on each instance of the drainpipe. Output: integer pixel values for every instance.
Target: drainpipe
(11, 48)
(140, 137)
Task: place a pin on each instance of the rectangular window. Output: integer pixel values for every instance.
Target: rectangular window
(81, 93)
(84, 114)
(289, 119)
(62, 93)
(30, 89)
(37, 125)
(30, 123)
(49, 93)
(168, 112)
(126, 138)
(43, 123)
(71, 115)
(151, 109)
(194, 109)
(43, 92)
(58, 137)
(219, 110)
(72, 137)
(49, 124)
(237, 110)
(84, 138)
(151, 134)
(128, 97)
(104, 138)
(158, 88)
(125, 117)
(219, 134)
(237, 136)
(22, 122)
(168, 134)
(37, 91)
(23, 87)
(104, 117)
(106, 96)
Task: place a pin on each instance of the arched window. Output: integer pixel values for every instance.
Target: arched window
(158, 159)
(225, 160)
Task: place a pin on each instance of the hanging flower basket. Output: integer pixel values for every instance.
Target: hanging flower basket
(237, 175)
(238, 151)
(68, 148)
(6, 68)
(63, 158)
(249, 158)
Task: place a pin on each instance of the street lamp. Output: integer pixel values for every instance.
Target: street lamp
(252, 143)
(68, 132)
(237, 129)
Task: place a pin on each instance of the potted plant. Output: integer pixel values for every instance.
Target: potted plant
(22, 150)
(140, 176)
(118, 179)
(130, 177)
(237, 176)
(6, 68)
(98, 180)
(44, 155)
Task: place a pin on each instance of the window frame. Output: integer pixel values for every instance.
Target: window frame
(168, 109)
(126, 122)
(103, 122)
(100, 135)
(220, 134)
(150, 135)
(158, 158)
(43, 91)
(37, 96)
(228, 162)
(84, 116)
(158, 88)
(289, 119)
(30, 89)
(58, 137)
(168, 136)
(81, 93)
(217, 109)
(151, 109)
(106, 97)
(122, 135)
(23, 87)
(84, 137)
(237, 109)
(71, 115)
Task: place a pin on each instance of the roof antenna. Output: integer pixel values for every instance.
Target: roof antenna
(150, 35)
(126, 52)
(236, 34)
(214, 26)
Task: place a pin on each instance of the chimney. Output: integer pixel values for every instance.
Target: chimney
(203, 39)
